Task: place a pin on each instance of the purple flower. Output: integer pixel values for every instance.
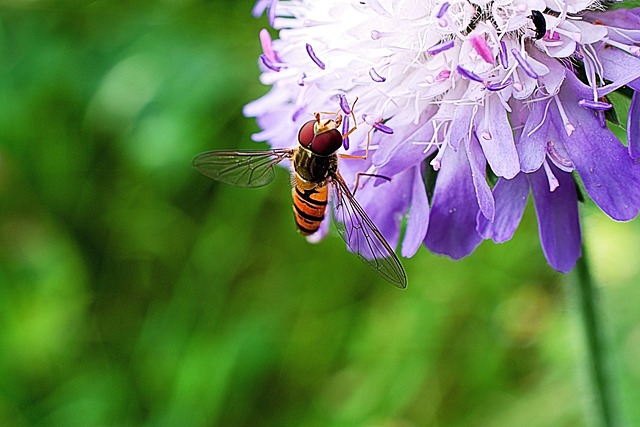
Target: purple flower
(471, 98)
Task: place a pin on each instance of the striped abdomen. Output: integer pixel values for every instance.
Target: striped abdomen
(309, 204)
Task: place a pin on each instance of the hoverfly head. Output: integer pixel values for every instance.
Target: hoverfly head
(321, 136)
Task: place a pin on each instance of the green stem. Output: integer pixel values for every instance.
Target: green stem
(598, 364)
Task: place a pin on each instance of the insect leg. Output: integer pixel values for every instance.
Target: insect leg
(372, 175)
(366, 150)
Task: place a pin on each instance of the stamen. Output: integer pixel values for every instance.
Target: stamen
(297, 113)
(345, 126)
(551, 36)
(443, 10)
(382, 128)
(272, 12)
(576, 37)
(443, 75)
(595, 105)
(633, 50)
(437, 160)
(553, 181)
(377, 124)
(504, 58)
(301, 79)
(524, 64)
(375, 34)
(259, 8)
(468, 74)
(270, 65)
(440, 47)
(480, 45)
(568, 127)
(265, 41)
(544, 118)
(314, 58)
(344, 105)
(375, 76)
(556, 157)
(494, 87)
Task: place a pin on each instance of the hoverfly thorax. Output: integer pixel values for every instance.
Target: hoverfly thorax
(314, 168)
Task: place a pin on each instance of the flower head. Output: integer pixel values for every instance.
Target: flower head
(481, 102)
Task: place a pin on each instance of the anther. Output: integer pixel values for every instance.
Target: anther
(468, 74)
(524, 64)
(267, 63)
(480, 45)
(595, 105)
(313, 57)
(440, 47)
(375, 76)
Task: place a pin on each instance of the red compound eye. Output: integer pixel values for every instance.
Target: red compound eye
(327, 142)
(306, 134)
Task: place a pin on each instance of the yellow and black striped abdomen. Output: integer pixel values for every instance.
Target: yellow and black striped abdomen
(309, 204)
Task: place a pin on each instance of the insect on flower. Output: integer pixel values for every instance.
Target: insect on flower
(315, 171)
(539, 22)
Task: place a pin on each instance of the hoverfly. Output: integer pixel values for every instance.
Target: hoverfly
(315, 172)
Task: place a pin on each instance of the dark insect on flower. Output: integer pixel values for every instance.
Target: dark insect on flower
(315, 171)
(539, 22)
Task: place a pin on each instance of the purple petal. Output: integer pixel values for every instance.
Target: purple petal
(619, 67)
(387, 203)
(626, 22)
(400, 152)
(460, 125)
(418, 218)
(633, 126)
(621, 18)
(478, 165)
(498, 144)
(532, 143)
(610, 175)
(452, 222)
(511, 198)
(558, 221)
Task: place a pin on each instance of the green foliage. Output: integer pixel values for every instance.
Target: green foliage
(135, 292)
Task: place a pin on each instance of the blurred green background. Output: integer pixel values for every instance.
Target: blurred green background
(134, 291)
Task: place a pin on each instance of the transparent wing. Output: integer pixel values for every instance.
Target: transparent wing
(241, 168)
(363, 237)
